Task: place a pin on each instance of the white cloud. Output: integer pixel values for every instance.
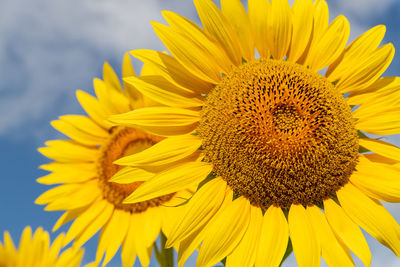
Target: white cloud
(50, 48)
(365, 8)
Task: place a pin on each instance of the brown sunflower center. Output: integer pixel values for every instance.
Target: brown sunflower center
(279, 134)
(122, 142)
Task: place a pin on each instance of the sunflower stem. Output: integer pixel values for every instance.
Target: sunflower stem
(164, 256)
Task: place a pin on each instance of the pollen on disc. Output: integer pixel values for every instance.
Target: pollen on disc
(279, 134)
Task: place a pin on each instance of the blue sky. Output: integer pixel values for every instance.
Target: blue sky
(49, 48)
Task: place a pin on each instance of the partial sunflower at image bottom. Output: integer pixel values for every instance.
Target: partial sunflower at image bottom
(288, 163)
(36, 250)
(86, 176)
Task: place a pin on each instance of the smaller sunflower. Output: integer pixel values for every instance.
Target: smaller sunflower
(36, 250)
(91, 188)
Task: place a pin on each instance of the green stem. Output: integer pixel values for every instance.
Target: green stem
(164, 256)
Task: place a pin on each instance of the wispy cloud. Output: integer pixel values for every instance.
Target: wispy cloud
(50, 48)
(365, 8)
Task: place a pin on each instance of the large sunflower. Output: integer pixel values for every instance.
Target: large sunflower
(84, 167)
(283, 133)
(37, 250)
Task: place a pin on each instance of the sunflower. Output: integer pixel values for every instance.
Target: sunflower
(84, 169)
(285, 133)
(36, 250)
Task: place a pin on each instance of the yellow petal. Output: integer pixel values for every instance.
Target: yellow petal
(68, 216)
(279, 28)
(67, 173)
(330, 46)
(171, 180)
(93, 108)
(258, 14)
(142, 250)
(169, 68)
(196, 59)
(380, 147)
(56, 192)
(245, 253)
(367, 71)
(332, 251)
(85, 219)
(385, 122)
(128, 71)
(55, 248)
(371, 216)
(302, 28)
(86, 124)
(112, 101)
(236, 15)
(162, 91)
(356, 51)
(91, 229)
(217, 26)
(273, 239)
(347, 231)
(110, 78)
(189, 244)
(128, 251)
(224, 232)
(76, 134)
(384, 88)
(129, 175)
(69, 151)
(200, 209)
(306, 246)
(112, 235)
(166, 151)
(164, 121)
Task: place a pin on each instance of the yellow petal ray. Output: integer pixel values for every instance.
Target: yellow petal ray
(273, 239)
(68, 151)
(384, 88)
(320, 25)
(151, 225)
(85, 124)
(189, 244)
(70, 256)
(195, 59)
(359, 48)
(332, 250)
(84, 220)
(129, 175)
(56, 192)
(245, 253)
(162, 91)
(279, 28)
(55, 248)
(382, 123)
(64, 173)
(371, 216)
(200, 209)
(331, 44)
(142, 250)
(110, 78)
(9, 245)
(347, 231)
(258, 14)
(306, 246)
(236, 15)
(381, 147)
(166, 151)
(302, 28)
(76, 134)
(128, 71)
(128, 251)
(382, 187)
(367, 71)
(92, 228)
(164, 121)
(224, 232)
(169, 68)
(86, 194)
(93, 108)
(68, 216)
(112, 235)
(217, 26)
(193, 32)
(111, 100)
(171, 180)
(25, 248)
